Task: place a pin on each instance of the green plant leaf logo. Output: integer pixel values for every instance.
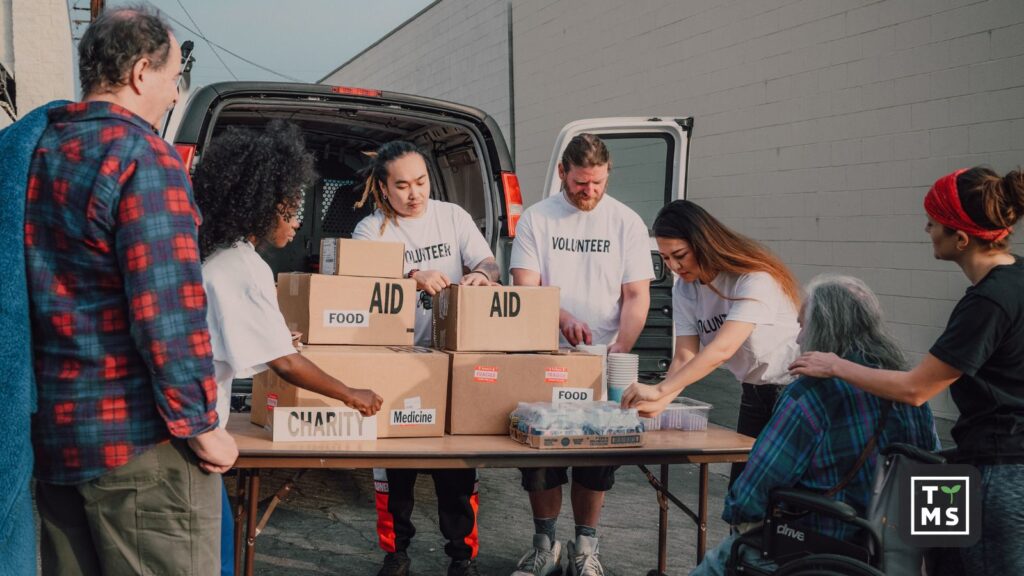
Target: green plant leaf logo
(951, 490)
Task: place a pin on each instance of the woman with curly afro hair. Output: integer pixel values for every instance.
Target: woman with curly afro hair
(249, 188)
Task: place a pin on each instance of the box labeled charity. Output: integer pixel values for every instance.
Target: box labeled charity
(413, 382)
(496, 318)
(367, 258)
(348, 309)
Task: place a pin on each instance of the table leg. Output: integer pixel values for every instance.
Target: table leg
(251, 520)
(702, 514)
(238, 511)
(663, 524)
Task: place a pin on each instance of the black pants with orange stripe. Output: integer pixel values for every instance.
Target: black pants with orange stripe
(457, 503)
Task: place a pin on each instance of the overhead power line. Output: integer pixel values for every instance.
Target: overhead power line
(242, 58)
(212, 49)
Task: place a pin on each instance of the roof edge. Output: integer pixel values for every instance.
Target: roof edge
(380, 40)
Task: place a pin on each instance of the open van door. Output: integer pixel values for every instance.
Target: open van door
(649, 163)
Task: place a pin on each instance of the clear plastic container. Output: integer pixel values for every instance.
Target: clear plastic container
(682, 414)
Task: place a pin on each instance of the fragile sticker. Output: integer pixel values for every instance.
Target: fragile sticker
(271, 401)
(488, 374)
(556, 375)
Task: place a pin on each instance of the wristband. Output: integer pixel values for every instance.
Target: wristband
(482, 273)
(411, 272)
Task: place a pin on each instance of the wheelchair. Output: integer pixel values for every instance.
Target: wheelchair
(797, 550)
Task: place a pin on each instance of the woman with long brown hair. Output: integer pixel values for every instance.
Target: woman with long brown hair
(734, 305)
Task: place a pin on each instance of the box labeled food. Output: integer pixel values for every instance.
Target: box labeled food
(413, 382)
(485, 387)
(372, 259)
(321, 424)
(496, 318)
(347, 309)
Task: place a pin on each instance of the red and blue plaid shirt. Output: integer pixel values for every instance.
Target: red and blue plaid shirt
(122, 351)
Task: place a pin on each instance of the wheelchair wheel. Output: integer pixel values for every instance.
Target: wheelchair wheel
(828, 564)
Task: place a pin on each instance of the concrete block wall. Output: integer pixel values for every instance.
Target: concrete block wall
(457, 51)
(36, 49)
(820, 124)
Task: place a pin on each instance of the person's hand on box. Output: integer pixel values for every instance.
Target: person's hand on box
(476, 278)
(367, 402)
(648, 400)
(431, 281)
(575, 331)
(216, 450)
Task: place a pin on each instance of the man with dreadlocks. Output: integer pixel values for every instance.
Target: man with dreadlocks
(442, 246)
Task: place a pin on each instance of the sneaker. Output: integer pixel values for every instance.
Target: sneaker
(463, 568)
(395, 564)
(543, 560)
(583, 557)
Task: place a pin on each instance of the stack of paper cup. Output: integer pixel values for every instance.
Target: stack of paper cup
(599, 350)
(623, 370)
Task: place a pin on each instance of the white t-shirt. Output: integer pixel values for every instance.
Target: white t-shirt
(765, 356)
(588, 255)
(444, 238)
(247, 329)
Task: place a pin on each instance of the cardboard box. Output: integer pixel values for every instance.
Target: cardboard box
(496, 318)
(485, 388)
(371, 259)
(348, 310)
(413, 382)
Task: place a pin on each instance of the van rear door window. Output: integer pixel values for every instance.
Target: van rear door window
(641, 174)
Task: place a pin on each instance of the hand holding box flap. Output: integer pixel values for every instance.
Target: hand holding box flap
(496, 318)
(371, 259)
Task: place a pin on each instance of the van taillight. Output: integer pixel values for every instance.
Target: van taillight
(513, 200)
(187, 153)
(349, 91)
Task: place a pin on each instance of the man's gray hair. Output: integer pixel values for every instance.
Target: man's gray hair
(843, 316)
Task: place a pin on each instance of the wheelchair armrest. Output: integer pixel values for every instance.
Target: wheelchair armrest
(913, 452)
(814, 503)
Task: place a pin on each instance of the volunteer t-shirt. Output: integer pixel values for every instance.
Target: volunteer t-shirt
(247, 329)
(765, 356)
(588, 255)
(984, 339)
(444, 238)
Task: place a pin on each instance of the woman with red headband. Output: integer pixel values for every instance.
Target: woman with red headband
(980, 355)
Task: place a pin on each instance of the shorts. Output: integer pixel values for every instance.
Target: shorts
(596, 478)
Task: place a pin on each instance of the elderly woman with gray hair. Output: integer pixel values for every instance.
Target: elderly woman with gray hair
(820, 426)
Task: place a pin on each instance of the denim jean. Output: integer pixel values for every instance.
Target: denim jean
(756, 406)
(1001, 547)
(716, 558)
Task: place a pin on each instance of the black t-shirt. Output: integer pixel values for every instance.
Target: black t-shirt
(985, 340)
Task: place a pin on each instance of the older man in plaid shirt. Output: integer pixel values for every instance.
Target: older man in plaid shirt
(126, 437)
